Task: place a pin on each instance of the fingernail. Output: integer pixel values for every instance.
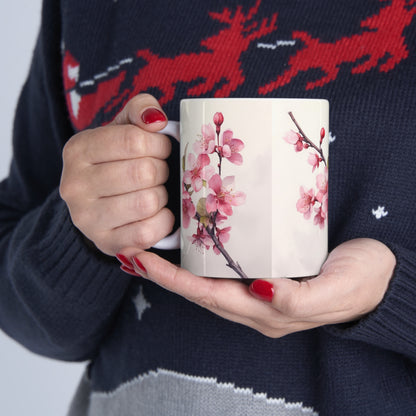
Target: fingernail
(262, 290)
(152, 115)
(139, 265)
(124, 261)
(129, 271)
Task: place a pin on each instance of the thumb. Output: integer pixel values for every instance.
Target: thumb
(303, 298)
(143, 111)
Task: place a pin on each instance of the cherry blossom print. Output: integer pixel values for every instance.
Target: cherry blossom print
(314, 160)
(218, 120)
(306, 202)
(322, 134)
(208, 198)
(320, 217)
(294, 138)
(201, 238)
(223, 235)
(199, 170)
(311, 200)
(188, 208)
(322, 185)
(231, 147)
(206, 145)
(222, 195)
(324, 204)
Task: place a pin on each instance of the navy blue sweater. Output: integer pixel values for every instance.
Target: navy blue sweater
(150, 351)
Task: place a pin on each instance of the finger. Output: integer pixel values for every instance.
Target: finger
(113, 143)
(143, 111)
(227, 297)
(117, 211)
(312, 300)
(141, 234)
(116, 178)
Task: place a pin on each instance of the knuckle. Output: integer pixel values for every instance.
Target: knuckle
(133, 141)
(71, 190)
(144, 235)
(143, 173)
(167, 219)
(64, 189)
(147, 203)
(75, 146)
(70, 149)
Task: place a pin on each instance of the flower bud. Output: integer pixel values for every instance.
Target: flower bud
(218, 119)
(322, 134)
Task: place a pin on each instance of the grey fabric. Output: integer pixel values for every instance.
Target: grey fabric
(165, 392)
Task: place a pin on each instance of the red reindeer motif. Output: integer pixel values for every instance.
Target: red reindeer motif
(219, 63)
(383, 38)
(217, 66)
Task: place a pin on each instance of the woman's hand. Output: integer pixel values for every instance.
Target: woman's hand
(351, 284)
(113, 176)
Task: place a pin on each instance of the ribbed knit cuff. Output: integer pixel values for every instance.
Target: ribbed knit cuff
(392, 325)
(69, 266)
(66, 293)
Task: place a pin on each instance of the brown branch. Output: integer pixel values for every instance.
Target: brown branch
(307, 140)
(230, 262)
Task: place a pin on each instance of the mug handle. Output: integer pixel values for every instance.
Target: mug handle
(172, 241)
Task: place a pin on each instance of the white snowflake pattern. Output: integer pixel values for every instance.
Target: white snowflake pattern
(380, 212)
(140, 303)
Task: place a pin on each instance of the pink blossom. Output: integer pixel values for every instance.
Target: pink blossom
(231, 148)
(322, 185)
(206, 144)
(222, 197)
(223, 235)
(201, 239)
(199, 171)
(322, 197)
(314, 160)
(188, 209)
(320, 217)
(294, 138)
(324, 204)
(306, 202)
(219, 219)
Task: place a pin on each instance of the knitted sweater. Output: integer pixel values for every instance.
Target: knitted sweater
(151, 352)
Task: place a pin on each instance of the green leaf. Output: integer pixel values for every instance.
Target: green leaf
(184, 157)
(201, 207)
(202, 212)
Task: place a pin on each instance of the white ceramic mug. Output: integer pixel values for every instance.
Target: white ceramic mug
(254, 187)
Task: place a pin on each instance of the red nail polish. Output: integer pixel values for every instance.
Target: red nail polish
(139, 265)
(262, 290)
(125, 261)
(129, 271)
(152, 115)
